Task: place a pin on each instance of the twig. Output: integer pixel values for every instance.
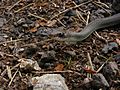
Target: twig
(69, 9)
(107, 59)
(11, 41)
(99, 2)
(78, 14)
(90, 61)
(61, 23)
(9, 72)
(4, 72)
(24, 7)
(102, 66)
(100, 37)
(10, 55)
(37, 16)
(80, 17)
(14, 5)
(88, 17)
(46, 72)
(12, 78)
(101, 7)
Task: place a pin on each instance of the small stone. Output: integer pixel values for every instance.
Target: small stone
(28, 64)
(110, 70)
(99, 81)
(109, 47)
(72, 53)
(49, 82)
(114, 67)
(117, 58)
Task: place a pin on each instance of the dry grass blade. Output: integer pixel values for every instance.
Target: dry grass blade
(10, 41)
(14, 5)
(69, 9)
(90, 61)
(9, 72)
(24, 7)
(13, 78)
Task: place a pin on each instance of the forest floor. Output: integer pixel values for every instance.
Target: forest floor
(27, 32)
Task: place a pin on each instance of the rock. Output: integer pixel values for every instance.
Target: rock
(110, 70)
(49, 82)
(117, 58)
(28, 64)
(109, 47)
(116, 5)
(47, 59)
(86, 85)
(71, 53)
(99, 81)
(114, 67)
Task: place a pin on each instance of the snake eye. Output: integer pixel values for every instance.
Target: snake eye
(61, 34)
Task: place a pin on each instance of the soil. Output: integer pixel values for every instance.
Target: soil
(28, 29)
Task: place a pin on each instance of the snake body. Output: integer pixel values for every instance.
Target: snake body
(91, 27)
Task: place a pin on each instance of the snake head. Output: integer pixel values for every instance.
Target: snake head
(70, 38)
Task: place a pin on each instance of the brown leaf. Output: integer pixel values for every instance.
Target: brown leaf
(89, 70)
(59, 67)
(33, 29)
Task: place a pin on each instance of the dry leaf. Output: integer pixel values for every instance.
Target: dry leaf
(59, 67)
(89, 70)
(33, 29)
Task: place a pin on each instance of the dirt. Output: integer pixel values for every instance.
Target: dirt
(27, 30)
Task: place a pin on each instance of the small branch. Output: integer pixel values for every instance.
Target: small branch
(69, 9)
(14, 5)
(12, 78)
(24, 7)
(48, 72)
(37, 16)
(101, 66)
(101, 7)
(88, 17)
(100, 37)
(90, 61)
(11, 41)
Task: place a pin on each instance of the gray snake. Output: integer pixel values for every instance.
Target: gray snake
(91, 27)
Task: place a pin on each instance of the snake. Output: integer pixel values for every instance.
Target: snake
(97, 24)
